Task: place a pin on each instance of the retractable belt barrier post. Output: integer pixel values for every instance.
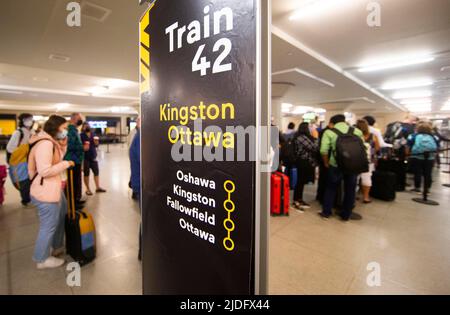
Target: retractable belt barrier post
(446, 158)
(424, 199)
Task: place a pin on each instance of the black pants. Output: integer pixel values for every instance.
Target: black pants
(24, 188)
(423, 168)
(298, 193)
(322, 182)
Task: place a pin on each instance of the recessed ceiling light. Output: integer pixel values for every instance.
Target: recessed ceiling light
(412, 94)
(397, 64)
(40, 79)
(407, 84)
(58, 57)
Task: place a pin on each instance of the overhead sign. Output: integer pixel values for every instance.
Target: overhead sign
(199, 95)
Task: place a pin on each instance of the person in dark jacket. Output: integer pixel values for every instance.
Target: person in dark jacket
(135, 162)
(307, 151)
(135, 181)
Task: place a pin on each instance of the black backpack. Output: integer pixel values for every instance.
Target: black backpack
(289, 152)
(351, 153)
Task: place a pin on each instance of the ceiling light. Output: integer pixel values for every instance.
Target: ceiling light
(39, 118)
(116, 83)
(11, 92)
(446, 106)
(320, 110)
(122, 109)
(302, 110)
(412, 94)
(98, 90)
(40, 79)
(61, 106)
(314, 8)
(419, 108)
(286, 108)
(397, 64)
(59, 57)
(415, 101)
(418, 105)
(407, 84)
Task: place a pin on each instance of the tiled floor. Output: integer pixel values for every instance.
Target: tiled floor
(410, 242)
(307, 255)
(116, 269)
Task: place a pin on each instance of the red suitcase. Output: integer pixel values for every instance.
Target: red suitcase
(279, 194)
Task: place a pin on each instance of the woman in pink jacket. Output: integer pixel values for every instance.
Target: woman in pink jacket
(45, 167)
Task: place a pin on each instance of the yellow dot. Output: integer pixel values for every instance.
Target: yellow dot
(229, 186)
(228, 244)
(231, 204)
(229, 225)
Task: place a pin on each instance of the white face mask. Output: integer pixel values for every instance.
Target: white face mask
(62, 135)
(28, 123)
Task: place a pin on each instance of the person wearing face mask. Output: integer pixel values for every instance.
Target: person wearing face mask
(90, 159)
(75, 152)
(20, 137)
(45, 168)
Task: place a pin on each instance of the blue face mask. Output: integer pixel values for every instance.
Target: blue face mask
(62, 135)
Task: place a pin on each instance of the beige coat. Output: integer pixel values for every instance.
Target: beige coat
(46, 160)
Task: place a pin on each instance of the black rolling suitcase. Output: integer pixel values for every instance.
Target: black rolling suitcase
(396, 166)
(383, 185)
(80, 229)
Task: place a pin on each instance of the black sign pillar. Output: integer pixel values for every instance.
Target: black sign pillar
(204, 79)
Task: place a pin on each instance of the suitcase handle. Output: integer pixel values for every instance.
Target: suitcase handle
(70, 194)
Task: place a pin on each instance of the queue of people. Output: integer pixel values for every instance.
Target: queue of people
(47, 153)
(343, 158)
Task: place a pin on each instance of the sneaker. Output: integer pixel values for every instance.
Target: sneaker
(304, 205)
(323, 216)
(58, 252)
(416, 190)
(50, 263)
(297, 206)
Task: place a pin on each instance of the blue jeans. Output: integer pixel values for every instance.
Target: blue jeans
(51, 228)
(334, 178)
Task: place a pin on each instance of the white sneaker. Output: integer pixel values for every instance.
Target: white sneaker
(50, 262)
